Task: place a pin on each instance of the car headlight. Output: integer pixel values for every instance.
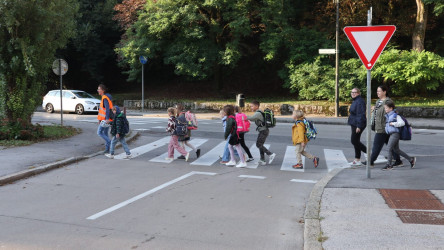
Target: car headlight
(90, 103)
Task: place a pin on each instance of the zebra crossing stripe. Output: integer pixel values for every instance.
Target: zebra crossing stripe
(211, 156)
(290, 160)
(161, 158)
(135, 152)
(335, 159)
(380, 159)
(256, 155)
(303, 181)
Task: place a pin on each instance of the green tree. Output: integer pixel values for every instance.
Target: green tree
(30, 33)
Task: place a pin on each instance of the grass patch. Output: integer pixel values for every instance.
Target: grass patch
(50, 132)
(322, 238)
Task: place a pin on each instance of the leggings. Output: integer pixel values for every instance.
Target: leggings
(242, 143)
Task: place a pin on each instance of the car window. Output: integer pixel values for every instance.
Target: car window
(67, 94)
(83, 94)
(51, 93)
(56, 93)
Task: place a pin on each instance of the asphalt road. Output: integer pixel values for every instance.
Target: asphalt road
(144, 203)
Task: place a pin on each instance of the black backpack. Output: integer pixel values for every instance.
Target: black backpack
(125, 126)
(405, 132)
(269, 120)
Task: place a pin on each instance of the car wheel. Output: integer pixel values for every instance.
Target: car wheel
(49, 108)
(79, 109)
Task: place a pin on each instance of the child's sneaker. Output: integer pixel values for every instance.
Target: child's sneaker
(413, 162)
(223, 162)
(271, 158)
(398, 164)
(109, 156)
(127, 156)
(387, 167)
(298, 166)
(231, 163)
(198, 153)
(187, 156)
(169, 159)
(250, 159)
(181, 157)
(262, 162)
(241, 165)
(316, 161)
(355, 163)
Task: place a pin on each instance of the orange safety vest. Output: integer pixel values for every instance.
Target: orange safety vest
(102, 111)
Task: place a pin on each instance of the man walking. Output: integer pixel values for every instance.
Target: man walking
(104, 116)
(259, 119)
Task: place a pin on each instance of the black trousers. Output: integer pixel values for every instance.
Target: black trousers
(242, 143)
(378, 143)
(260, 143)
(356, 141)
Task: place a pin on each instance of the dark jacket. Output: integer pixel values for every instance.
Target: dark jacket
(118, 123)
(231, 127)
(357, 116)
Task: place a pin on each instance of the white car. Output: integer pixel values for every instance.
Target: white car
(73, 101)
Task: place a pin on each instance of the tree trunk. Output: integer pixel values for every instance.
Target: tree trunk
(420, 26)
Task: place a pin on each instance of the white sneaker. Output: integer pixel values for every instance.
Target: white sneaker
(271, 158)
(109, 156)
(355, 163)
(187, 156)
(169, 159)
(241, 165)
(231, 163)
(250, 159)
(262, 162)
(127, 156)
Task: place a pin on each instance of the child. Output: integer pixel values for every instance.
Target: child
(118, 133)
(185, 140)
(392, 124)
(259, 120)
(233, 139)
(238, 111)
(174, 143)
(300, 140)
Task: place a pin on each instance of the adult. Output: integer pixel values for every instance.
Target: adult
(378, 125)
(185, 140)
(259, 119)
(358, 121)
(104, 116)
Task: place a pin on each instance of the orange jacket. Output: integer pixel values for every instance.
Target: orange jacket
(298, 132)
(102, 112)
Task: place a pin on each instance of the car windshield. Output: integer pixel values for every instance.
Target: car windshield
(82, 94)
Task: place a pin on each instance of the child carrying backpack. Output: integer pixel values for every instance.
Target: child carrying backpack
(119, 128)
(174, 142)
(243, 126)
(299, 138)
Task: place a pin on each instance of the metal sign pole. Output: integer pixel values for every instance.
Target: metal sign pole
(143, 85)
(369, 103)
(337, 62)
(61, 92)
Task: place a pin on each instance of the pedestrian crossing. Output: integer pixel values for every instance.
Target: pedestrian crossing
(333, 158)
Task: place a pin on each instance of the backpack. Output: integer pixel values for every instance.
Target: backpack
(191, 120)
(181, 127)
(405, 132)
(310, 129)
(125, 126)
(243, 124)
(269, 120)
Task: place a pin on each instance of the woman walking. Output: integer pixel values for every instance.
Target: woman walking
(358, 121)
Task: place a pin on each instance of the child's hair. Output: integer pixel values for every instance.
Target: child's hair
(237, 109)
(390, 104)
(298, 113)
(179, 108)
(257, 103)
(114, 108)
(171, 110)
(229, 110)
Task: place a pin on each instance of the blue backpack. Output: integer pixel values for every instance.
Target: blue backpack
(310, 129)
(181, 127)
(405, 132)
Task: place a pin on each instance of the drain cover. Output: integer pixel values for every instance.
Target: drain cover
(421, 217)
(411, 199)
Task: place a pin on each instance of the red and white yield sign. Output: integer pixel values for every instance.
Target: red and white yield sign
(369, 41)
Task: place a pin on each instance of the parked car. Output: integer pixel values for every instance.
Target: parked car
(73, 101)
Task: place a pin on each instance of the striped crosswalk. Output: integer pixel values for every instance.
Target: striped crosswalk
(330, 160)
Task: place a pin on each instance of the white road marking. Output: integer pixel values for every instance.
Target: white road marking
(256, 155)
(161, 158)
(303, 181)
(140, 196)
(335, 159)
(90, 121)
(159, 127)
(290, 160)
(211, 156)
(252, 177)
(135, 152)
(141, 129)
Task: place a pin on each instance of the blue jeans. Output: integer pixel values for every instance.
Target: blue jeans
(226, 155)
(124, 145)
(103, 132)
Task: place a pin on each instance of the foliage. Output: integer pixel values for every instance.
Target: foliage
(316, 81)
(30, 33)
(127, 12)
(410, 72)
(19, 130)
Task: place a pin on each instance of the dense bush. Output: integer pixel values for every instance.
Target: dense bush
(20, 130)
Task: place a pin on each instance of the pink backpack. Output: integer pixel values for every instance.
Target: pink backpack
(191, 119)
(243, 124)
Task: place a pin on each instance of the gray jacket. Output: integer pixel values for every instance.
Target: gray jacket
(258, 119)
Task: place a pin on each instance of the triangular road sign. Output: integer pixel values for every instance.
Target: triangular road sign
(369, 41)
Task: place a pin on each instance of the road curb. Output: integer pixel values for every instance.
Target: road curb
(7, 179)
(312, 224)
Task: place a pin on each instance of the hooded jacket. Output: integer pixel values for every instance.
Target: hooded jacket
(118, 123)
(298, 132)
